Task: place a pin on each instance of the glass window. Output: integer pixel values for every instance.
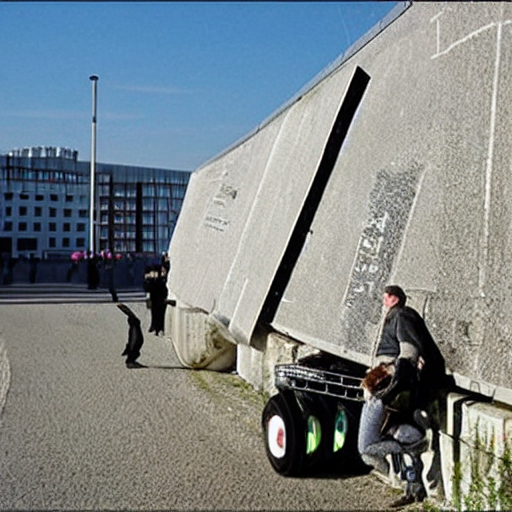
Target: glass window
(66, 226)
(8, 196)
(80, 242)
(23, 210)
(8, 211)
(54, 197)
(104, 190)
(39, 197)
(38, 211)
(65, 242)
(22, 226)
(52, 226)
(69, 198)
(83, 213)
(51, 242)
(53, 212)
(68, 212)
(7, 225)
(164, 191)
(80, 226)
(24, 196)
(148, 247)
(37, 226)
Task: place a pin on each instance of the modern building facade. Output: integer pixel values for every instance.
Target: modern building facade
(44, 208)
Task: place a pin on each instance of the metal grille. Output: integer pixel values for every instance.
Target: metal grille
(318, 381)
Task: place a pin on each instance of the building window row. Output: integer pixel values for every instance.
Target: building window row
(68, 198)
(65, 243)
(38, 212)
(38, 175)
(37, 226)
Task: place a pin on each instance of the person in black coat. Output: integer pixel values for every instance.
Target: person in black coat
(419, 368)
(406, 341)
(155, 285)
(135, 338)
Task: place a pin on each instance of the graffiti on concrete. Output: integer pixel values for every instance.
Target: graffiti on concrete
(216, 215)
(390, 204)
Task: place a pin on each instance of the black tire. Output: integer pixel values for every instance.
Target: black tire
(284, 431)
(345, 423)
(318, 430)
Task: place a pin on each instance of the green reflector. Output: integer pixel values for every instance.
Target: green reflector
(314, 435)
(340, 430)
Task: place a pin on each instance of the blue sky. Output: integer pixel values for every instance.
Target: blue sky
(178, 81)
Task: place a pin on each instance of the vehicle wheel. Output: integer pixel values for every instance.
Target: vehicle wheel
(318, 428)
(345, 422)
(284, 427)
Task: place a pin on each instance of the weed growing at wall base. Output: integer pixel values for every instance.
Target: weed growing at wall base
(490, 487)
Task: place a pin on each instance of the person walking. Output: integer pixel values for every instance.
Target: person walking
(32, 268)
(93, 275)
(135, 338)
(109, 263)
(155, 284)
(166, 264)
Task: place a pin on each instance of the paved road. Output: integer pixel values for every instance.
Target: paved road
(80, 431)
(64, 293)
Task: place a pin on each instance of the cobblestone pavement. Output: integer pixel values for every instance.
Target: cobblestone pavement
(80, 431)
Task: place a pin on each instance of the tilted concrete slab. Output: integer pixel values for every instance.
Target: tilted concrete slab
(419, 196)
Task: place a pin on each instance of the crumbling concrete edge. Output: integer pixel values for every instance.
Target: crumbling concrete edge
(5, 375)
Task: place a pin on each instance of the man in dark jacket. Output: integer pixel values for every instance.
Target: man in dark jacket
(407, 341)
(419, 375)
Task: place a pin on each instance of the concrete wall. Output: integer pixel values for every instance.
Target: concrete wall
(419, 196)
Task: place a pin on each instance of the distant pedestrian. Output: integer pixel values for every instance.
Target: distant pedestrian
(8, 267)
(131, 271)
(3, 265)
(93, 275)
(32, 268)
(155, 285)
(73, 267)
(135, 338)
(166, 264)
(109, 262)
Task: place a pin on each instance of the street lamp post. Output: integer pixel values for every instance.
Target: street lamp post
(92, 235)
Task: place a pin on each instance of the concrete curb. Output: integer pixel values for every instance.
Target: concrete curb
(5, 375)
